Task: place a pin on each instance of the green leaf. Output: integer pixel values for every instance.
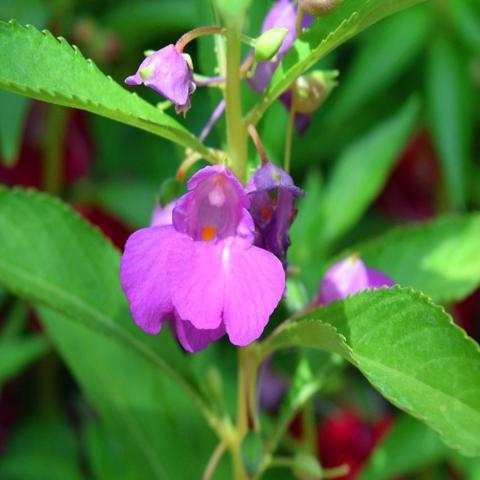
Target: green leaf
(50, 256)
(380, 59)
(38, 65)
(449, 110)
(440, 257)
(345, 21)
(409, 349)
(148, 416)
(12, 117)
(357, 177)
(408, 446)
(41, 448)
(17, 354)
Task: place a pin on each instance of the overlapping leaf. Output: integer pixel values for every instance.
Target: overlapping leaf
(409, 349)
(40, 66)
(327, 33)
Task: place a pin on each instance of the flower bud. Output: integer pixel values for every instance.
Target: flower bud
(318, 8)
(268, 43)
(311, 90)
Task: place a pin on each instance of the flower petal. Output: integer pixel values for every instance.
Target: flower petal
(193, 339)
(143, 276)
(377, 279)
(195, 280)
(254, 284)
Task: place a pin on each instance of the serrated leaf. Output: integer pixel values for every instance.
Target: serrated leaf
(440, 257)
(38, 65)
(357, 178)
(409, 349)
(50, 256)
(345, 21)
(408, 446)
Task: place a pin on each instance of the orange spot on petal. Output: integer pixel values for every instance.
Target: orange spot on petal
(266, 213)
(208, 233)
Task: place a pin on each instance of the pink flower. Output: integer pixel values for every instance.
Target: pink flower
(347, 277)
(203, 274)
(168, 73)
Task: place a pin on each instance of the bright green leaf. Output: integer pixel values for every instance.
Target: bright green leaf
(345, 21)
(38, 65)
(409, 349)
(440, 258)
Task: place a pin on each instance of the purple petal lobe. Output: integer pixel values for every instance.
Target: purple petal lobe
(162, 215)
(167, 72)
(229, 281)
(143, 276)
(345, 278)
(377, 279)
(254, 284)
(195, 279)
(192, 339)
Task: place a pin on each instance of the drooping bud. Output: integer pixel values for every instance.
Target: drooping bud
(312, 89)
(169, 73)
(268, 43)
(318, 8)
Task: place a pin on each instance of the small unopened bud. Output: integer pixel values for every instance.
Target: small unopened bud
(312, 89)
(268, 43)
(318, 8)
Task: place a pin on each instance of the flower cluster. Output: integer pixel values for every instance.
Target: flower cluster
(204, 273)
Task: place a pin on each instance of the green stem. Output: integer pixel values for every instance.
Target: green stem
(308, 427)
(242, 415)
(236, 131)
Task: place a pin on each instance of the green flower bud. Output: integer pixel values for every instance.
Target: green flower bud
(268, 43)
(318, 8)
(312, 89)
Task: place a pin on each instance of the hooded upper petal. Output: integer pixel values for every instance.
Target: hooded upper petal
(213, 208)
(167, 72)
(143, 276)
(377, 279)
(162, 215)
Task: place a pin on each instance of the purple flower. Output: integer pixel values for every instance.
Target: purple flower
(203, 274)
(167, 71)
(272, 196)
(162, 215)
(347, 277)
(283, 14)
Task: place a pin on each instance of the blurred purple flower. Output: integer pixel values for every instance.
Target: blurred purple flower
(283, 14)
(162, 215)
(203, 273)
(347, 277)
(168, 72)
(272, 196)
